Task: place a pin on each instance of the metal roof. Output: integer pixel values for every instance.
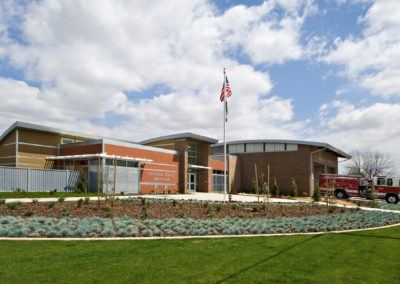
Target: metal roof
(184, 135)
(94, 139)
(340, 153)
(20, 124)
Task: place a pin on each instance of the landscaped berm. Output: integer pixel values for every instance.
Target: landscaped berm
(142, 217)
(362, 256)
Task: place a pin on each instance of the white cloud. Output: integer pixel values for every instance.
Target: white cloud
(89, 57)
(372, 127)
(373, 59)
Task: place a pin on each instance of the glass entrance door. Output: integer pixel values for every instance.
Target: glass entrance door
(191, 182)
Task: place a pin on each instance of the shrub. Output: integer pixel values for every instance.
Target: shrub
(61, 199)
(293, 188)
(13, 205)
(52, 191)
(109, 233)
(144, 214)
(86, 201)
(316, 194)
(108, 214)
(275, 188)
(28, 213)
(51, 205)
(34, 201)
(2, 201)
(65, 212)
(147, 233)
(80, 186)
(79, 203)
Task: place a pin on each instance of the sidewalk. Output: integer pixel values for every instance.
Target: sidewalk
(203, 196)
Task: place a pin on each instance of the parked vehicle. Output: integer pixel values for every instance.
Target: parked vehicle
(343, 187)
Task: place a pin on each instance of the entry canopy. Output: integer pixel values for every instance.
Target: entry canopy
(96, 156)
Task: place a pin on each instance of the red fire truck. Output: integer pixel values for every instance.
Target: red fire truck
(355, 186)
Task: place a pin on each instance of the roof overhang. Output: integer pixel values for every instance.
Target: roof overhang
(185, 135)
(328, 147)
(97, 156)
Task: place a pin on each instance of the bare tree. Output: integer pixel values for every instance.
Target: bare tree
(370, 164)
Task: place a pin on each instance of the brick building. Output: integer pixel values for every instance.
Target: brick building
(184, 162)
(301, 160)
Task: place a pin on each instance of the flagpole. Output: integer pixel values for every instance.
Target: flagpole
(224, 112)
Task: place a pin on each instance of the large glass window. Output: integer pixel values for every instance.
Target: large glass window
(193, 153)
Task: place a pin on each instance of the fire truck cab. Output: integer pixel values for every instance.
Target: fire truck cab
(387, 188)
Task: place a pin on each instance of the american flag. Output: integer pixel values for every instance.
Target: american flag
(228, 90)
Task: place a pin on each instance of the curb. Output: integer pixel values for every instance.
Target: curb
(194, 237)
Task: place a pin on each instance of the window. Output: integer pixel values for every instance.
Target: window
(236, 148)
(69, 165)
(132, 164)
(67, 141)
(331, 170)
(389, 182)
(193, 153)
(381, 181)
(279, 147)
(254, 147)
(269, 147)
(218, 183)
(291, 147)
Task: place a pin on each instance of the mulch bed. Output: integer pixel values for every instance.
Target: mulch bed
(155, 210)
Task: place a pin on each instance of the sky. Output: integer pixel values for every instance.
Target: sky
(307, 70)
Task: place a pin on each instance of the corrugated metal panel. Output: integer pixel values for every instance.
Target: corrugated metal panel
(34, 180)
(127, 179)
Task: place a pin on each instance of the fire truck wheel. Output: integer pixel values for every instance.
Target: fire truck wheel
(341, 194)
(392, 198)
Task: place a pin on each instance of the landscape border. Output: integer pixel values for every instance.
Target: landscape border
(194, 237)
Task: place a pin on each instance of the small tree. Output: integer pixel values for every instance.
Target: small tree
(275, 188)
(293, 188)
(373, 196)
(80, 186)
(316, 194)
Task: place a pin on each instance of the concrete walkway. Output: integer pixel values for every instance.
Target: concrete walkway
(201, 196)
(191, 196)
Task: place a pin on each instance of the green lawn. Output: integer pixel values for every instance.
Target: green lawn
(369, 256)
(4, 195)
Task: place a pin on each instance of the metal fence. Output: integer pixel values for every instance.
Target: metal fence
(32, 180)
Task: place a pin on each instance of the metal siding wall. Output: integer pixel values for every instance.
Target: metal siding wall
(33, 180)
(127, 179)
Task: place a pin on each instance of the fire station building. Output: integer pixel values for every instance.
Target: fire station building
(184, 162)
